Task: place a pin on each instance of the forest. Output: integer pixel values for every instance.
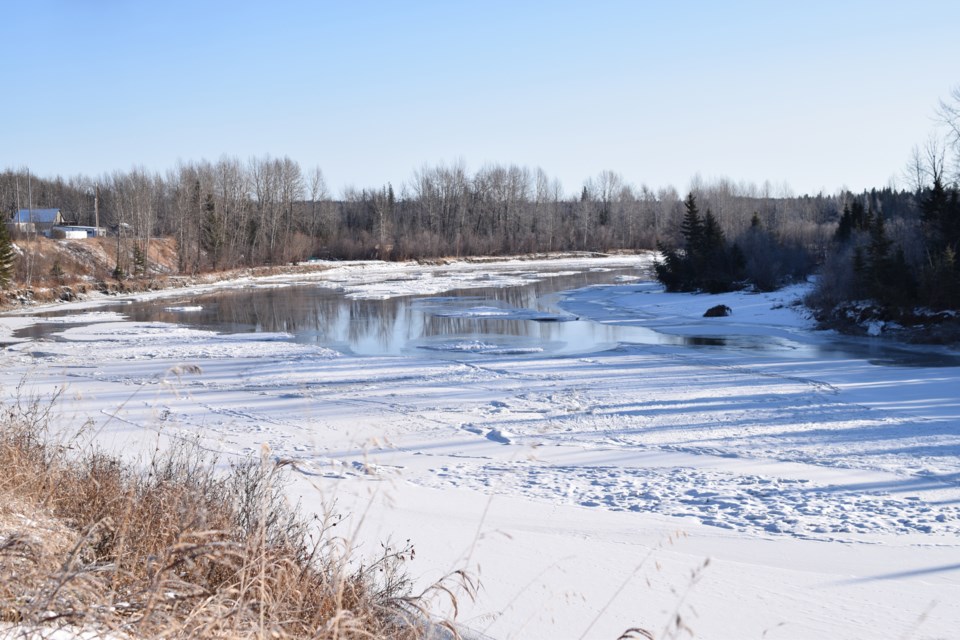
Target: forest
(894, 246)
(235, 213)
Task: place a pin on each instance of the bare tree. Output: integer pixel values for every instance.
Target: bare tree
(319, 197)
(949, 112)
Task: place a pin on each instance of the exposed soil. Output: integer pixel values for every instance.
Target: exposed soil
(69, 269)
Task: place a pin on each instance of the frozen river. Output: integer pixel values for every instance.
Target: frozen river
(550, 312)
(582, 455)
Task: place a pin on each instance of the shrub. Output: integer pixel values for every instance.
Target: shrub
(177, 550)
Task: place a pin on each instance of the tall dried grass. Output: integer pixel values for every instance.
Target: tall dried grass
(175, 549)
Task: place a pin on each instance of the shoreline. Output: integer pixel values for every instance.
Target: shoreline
(558, 476)
(861, 321)
(27, 299)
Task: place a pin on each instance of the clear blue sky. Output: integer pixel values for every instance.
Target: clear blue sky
(819, 95)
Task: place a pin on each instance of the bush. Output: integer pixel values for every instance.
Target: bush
(769, 264)
(177, 550)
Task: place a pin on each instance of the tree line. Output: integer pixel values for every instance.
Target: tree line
(894, 256)
(900, 261)
(265, 210)
(708, 262)
(722, 235)
(897, 247)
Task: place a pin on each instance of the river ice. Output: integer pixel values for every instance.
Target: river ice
(584, 491)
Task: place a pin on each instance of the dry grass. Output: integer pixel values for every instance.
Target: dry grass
(176, 550)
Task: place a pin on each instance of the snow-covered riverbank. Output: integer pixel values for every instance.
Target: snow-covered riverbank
(584, 492)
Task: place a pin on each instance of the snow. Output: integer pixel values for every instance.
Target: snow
(471, 308)
(585, 492)
(185, 308)
(481, 347)
(646, 304)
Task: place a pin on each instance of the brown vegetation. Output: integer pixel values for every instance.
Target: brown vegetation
(67, 269)
(234, 213)
(176, 550)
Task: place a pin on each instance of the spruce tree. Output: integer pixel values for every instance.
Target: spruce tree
(692, 225)
(879, 248)
(139, 261)
(212, 231)
(707, 263)
(7, 258)
(879, 266)
(940, 209)
(679, 271)
(670, 272)
(711, 236)
(845, 227)
(932, 208)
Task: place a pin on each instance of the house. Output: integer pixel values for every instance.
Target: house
(36, 220)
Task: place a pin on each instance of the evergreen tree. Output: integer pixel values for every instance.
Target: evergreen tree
(878, 250)
(692, 225)
(940, 212)
(878, 267)
(711, 235)
(212, 231)
(940, 209)
(713, 262)
(7, 257)
(679, 271)
(706, 263)
(56, 271)
(671, 271)
(933, 205)
(139, 261)
(845, 226)
(855, 217)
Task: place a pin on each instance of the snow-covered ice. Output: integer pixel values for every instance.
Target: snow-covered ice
(586, 492)
(481, 309)
(190, 308)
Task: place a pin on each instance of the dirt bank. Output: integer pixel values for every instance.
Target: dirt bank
(51, 270)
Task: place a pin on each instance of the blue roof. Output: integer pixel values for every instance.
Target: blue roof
(43, 216)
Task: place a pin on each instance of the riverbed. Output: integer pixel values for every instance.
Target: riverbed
(583, 454)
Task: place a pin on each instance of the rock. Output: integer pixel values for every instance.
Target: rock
(719, 311)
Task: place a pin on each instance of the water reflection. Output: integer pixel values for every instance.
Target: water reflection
(521, 319)
(477, 321)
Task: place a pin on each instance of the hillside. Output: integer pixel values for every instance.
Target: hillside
(50, 270)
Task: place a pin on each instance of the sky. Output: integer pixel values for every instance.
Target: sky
(816, 96)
